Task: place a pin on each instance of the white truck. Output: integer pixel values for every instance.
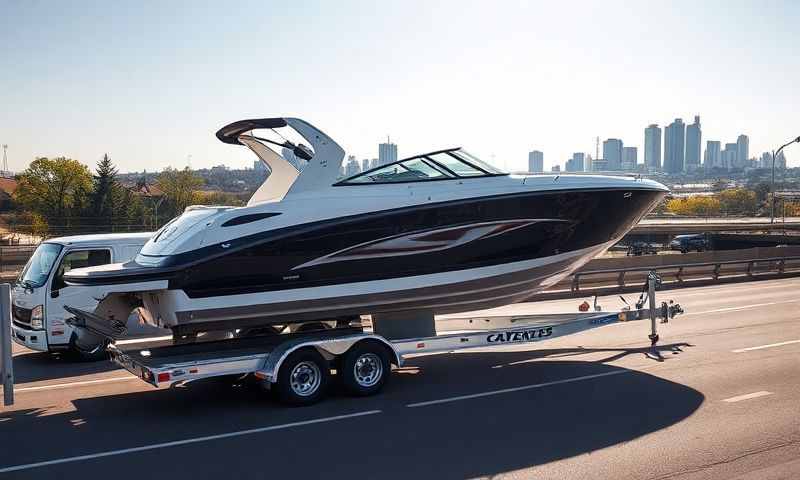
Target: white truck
(38, 316)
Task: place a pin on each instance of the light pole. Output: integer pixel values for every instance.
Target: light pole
(774, 154)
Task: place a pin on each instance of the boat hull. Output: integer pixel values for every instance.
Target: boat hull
(451, 292)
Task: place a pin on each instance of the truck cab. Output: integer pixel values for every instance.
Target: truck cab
(38, 297)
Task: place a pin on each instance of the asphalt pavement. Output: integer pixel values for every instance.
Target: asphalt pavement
(723, 402)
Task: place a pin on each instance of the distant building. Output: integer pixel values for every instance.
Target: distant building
(612, 153)
(652, 147)
(351, 168)
(729, 155)
(712, 156)
(365, 165)
(630, 157)
(599, 165)
(536, 161)
(742, 151)
(387, 152)
(260, 166)
(780, 161)
(576, 163)
(674, 144)
(693, 145)
(373, 163)
(556, 168)
(766, 160)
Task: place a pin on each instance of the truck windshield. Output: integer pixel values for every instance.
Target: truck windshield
(38, 267)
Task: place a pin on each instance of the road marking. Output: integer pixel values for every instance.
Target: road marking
(761, 347)
(516, 389)
(748, 396)
(74, 384)
(184, 442)
(743, 307)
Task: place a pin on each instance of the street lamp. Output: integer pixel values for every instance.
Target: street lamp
(775, 154)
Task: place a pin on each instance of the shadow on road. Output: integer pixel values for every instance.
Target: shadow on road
(38, 366)
(461, 439)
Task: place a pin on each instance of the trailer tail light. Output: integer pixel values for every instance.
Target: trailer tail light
(163, 377)
(420, 345)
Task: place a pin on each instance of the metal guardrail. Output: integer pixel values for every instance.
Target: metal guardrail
(713, 270)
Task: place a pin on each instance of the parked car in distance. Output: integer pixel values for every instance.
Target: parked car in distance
(642, 248)
(686, 243)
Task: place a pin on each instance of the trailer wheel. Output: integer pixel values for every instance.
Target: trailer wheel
(365, 368)
(303, 378)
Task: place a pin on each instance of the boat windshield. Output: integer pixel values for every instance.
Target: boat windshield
(442, 165)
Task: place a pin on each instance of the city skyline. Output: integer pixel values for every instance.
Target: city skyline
(150, 83)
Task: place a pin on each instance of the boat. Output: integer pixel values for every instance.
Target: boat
(440, 232)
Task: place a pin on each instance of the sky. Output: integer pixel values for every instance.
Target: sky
(149, 82)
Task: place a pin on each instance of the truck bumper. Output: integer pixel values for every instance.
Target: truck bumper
(33, 339)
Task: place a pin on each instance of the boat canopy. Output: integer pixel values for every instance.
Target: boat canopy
(321, 162)
(439, 165)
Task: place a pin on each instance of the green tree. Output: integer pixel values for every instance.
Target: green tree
(108, 206)
(180, 188)
(55, 188)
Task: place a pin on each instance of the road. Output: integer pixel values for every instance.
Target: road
(723, 403)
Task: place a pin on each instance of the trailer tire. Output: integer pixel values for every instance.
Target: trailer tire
(302, 378)
(365, 368)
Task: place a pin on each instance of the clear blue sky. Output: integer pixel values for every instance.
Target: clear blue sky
(150, 82)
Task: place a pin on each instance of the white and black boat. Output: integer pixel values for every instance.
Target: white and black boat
(441, 232)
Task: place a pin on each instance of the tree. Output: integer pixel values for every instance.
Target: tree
(108, 200)
(694, 206)
(54, 188)
(738, 201)
(179, 187)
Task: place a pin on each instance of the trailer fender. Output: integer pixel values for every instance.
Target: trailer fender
(329, 347)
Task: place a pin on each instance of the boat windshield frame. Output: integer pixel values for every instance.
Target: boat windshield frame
(482, 169)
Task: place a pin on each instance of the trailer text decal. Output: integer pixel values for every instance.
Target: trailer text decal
(520, 336)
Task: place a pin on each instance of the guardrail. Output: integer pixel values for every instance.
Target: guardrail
(621, 278)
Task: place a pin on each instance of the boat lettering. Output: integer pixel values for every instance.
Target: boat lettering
(520, 336)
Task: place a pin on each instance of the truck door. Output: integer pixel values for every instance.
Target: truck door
(58, 332)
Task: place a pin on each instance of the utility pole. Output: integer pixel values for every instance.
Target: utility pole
(774, 155)
(5, 158)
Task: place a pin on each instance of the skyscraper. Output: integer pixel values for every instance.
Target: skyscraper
(536, 161)
(352, 166)
(576, 163)
(766, 160)
(652, 147)
(780, 161)
(712, 157)
(612, 153)
(729, 155)
(630, 157)
(742, 151)
(674, 144)
(365, 164)
(387, 152)
(693, 145)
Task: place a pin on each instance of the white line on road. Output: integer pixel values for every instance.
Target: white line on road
(183, 442)
(761, 347)
(743, 307)
(74, 384)
(747, 396)
(516, 389)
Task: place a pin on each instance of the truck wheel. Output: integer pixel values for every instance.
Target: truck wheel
(365, 368)
(303, 378)
(83, 354)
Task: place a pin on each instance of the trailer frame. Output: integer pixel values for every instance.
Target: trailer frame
(264, 357)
